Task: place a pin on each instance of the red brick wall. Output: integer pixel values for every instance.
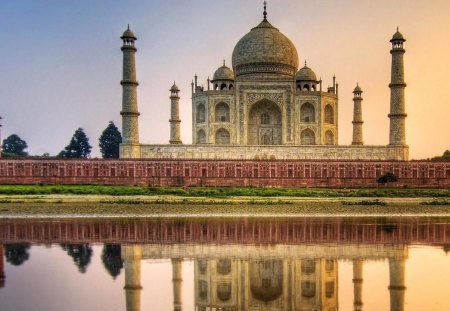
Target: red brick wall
(264, 173)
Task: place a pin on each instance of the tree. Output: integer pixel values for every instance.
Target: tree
(80, 253)
(78, 147)
(112, 259)
(17, 254)
(388, 177)
(14, 145)
(109, 141)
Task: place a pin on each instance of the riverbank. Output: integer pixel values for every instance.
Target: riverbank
(54, 206)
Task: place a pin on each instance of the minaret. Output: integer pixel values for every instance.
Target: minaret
(132, 255)
(357, 284)
(130, 114)
(174, 116)
(177, 281)
(2, 267)
(397, 113)
(397, 286)
(357, 117)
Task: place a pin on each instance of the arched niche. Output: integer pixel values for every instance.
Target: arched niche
(329, 137)
(222, 137)
(201, 113)
(201, 137)
(224, 291)
(264, 124)
(222, 112)
(307, 137)
(329, 114)
(266, 280)
(307, 113)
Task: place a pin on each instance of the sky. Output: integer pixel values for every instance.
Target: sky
(61, 62)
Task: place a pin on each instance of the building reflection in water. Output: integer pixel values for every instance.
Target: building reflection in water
(240, 264)
(292, 277)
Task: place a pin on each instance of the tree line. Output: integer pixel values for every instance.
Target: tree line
(78, 147)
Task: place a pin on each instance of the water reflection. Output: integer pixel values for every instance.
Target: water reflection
(245, 264)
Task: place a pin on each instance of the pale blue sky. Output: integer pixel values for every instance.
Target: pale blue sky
(61, 62)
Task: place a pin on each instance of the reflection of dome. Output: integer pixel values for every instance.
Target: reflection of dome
(224, 291)
(265, 50)
(223, 73)
(305, 74)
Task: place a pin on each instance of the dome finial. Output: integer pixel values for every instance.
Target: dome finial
(265, 11)
(224, 62)
(128, 27)
(305, 62)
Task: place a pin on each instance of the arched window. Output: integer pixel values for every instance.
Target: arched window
(231, 87)
(222, 137)
(329, 289)
(308, 266)
(329, 137)
(224, 291)
(223, 86)
(308, 289)
(307, 137)
(201, 113)
(216, 86)
(265, 118)
(224, 266)
(202, 289)
(329, 114)
(307, 113)
(222, 112)
(306, 87)
(201, 137)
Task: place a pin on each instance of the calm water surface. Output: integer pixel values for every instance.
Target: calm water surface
(226, 264)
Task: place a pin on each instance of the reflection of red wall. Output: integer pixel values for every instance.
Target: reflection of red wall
(277, 173)
(2, 267)
(246, 231)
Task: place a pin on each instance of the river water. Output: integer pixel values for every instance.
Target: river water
(226, 264)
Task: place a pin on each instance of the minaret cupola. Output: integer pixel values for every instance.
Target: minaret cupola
(306, 79)
(223, 78)
(128, 38)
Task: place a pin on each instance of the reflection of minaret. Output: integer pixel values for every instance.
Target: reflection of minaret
(132, 255)
(397, 284)
(2, 271)
(177, 280)
(357, 284)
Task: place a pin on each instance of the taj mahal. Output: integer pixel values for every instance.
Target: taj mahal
(264, 107)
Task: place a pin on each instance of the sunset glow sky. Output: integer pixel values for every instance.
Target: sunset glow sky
(61, 62)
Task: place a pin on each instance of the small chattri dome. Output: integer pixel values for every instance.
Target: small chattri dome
(398, 36)
(223, 73)
(305, 74)
(174, 88)
(357, 89)
(128, 33)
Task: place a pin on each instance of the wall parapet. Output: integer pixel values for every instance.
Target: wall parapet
(201, 172)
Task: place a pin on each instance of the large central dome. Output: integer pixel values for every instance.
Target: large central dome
(265, 50)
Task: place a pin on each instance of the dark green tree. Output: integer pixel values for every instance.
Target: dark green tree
(112, 259)
(387, 177)
(80, 253)
(109, 141)
(13, 145)
(78, 147)
(17, 254)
